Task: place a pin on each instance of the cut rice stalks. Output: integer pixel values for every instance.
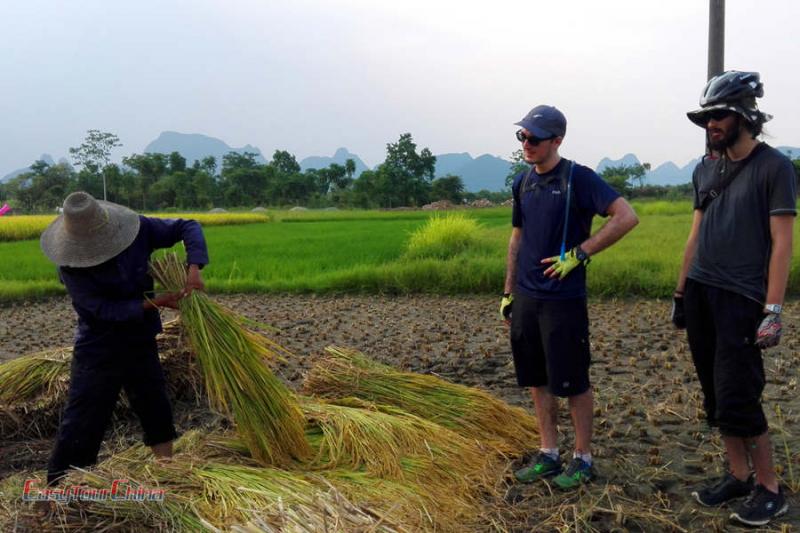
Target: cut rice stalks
(197, 496)
(416, 506)
(32, 390)
(32, 376)
(237, 380)
(385, 441)
(473, 413)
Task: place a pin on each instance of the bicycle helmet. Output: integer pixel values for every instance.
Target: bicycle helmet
(732, 90)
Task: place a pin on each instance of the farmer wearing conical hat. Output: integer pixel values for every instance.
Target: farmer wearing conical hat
(102, 251)
(550, 245)
(732, 283)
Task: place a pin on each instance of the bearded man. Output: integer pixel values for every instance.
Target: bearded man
(732, 283)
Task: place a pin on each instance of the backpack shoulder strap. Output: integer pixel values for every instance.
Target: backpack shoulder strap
(563, 175)
(523, 186)
(722, 182)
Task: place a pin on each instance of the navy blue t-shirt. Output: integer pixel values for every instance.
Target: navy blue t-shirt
(540, 214)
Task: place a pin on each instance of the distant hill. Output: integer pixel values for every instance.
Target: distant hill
(669, 173)
(47, 158)
(627, 160)
(196, 147)
(451, 163)
(340, 158)
(792, 152)
(483, 172)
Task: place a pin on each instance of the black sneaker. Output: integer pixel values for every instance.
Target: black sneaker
(726, 489)
(761, 507)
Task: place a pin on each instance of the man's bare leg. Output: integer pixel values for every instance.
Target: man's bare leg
(581, 409)
(546, 406)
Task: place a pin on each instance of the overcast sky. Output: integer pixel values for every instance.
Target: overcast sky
(311, 76)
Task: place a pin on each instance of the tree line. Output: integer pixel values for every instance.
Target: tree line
(154, 181)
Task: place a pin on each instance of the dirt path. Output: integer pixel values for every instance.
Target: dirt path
(651, 444)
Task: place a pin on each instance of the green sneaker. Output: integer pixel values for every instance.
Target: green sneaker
(578, 471)
(542, 466)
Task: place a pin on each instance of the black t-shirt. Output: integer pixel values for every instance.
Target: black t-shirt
(734, 241)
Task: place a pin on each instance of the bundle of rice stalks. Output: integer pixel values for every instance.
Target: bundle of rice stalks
(387, 442)
(417, 506)
(330, 511)
(198, 495)
(32, 390)
(236, 377)
(473, 413)
(32, 376)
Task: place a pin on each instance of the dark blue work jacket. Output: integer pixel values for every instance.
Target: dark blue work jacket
(109, 297)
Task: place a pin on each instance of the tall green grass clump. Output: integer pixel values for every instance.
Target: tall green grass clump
(663, 207)
(443, 237)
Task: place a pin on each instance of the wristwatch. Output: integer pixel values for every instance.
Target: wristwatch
(775, 309)
(582, 256)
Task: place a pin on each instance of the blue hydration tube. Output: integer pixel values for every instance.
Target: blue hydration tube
(566, 213)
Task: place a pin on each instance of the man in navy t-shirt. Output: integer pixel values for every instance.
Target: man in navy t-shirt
(550, 245)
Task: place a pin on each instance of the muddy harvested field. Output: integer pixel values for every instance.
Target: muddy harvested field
(651, 445)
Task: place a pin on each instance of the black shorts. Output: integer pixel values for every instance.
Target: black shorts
(721, 327)
(550, 344)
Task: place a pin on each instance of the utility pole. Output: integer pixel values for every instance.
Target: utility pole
(716, 37)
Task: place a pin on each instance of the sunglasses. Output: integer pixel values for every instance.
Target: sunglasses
(533, 141)
(718, 114)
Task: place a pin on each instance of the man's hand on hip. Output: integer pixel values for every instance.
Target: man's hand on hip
(561, 267)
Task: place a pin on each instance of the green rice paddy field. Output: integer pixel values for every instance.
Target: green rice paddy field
(370, 252)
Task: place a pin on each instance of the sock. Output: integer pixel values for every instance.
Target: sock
(585, 457)
(552, 453)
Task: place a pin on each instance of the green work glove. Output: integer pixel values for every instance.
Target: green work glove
(560, 268)
(505, 306)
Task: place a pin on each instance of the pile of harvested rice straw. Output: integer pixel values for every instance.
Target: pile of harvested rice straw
(368, 448)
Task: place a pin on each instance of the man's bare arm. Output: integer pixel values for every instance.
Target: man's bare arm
(511, 260)
(688, 251)
(622, 219)
(780, 227)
